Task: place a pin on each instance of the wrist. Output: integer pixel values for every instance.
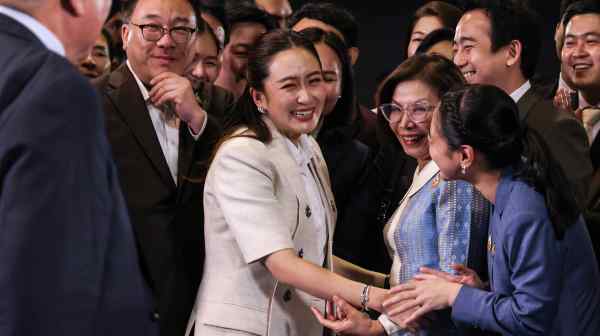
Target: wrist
(376, 329)
(376, 299)
(197, 121)
(453, 291)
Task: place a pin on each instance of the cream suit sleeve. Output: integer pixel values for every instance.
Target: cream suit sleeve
(245, 187)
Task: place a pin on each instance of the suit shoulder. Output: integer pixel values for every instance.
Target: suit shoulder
(242, 141)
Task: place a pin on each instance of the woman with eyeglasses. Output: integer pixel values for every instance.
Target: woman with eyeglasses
(439, 224)
(544, 279)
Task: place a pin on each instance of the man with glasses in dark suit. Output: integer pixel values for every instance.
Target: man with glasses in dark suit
(161, 139)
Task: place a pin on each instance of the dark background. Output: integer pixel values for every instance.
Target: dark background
(383, 25)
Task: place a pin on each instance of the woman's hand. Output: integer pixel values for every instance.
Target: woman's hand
(427, 293)
(464, 275)
(347, 320)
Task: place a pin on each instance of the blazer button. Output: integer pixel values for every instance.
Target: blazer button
(287, 296)
(308, 212)
(155, 316)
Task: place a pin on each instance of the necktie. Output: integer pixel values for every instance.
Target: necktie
(590, 116)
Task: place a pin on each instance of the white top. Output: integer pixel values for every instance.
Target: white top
(421, 177)
(39, 30)
(303, 155)
(520, 92)
(167, 133)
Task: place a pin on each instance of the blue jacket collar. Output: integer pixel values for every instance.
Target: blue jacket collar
(503, 190)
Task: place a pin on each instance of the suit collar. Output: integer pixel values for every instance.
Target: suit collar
(132, 107)
(503, 191)
(526, 104)
(35, 29)
(289, 166)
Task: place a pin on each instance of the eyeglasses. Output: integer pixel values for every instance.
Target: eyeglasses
(154, 32)
(417, 112)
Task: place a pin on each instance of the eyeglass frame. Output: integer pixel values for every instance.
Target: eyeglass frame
(163, 31)
(429, 108)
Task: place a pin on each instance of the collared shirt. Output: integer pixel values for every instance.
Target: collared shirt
(520, 92)
(563, 85)
(43, 34)
(303, 155)
(167, 133)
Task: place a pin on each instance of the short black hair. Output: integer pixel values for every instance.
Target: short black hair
(331, 14)
(564, 4)
(581, 8)
(128, 7)
(245, 11)
(436, 36)
(512, 20)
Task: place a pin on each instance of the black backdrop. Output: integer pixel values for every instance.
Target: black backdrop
(383, 25)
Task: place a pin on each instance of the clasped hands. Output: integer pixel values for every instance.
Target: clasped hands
(410, 305)
(170, 88)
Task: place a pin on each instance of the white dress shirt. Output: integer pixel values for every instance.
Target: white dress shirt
(167, 133)
(302, 154)
(520, 92)
(39, 30)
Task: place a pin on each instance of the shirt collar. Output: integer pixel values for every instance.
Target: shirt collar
(300, 152)
(140, 85)
(520, 92)
(43, 34)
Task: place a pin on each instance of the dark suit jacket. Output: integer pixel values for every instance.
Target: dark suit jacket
(377, 195)
(167, 218)
(215, 100)
(565, 137)
(592, 216)
(68, 264)
(346, 160)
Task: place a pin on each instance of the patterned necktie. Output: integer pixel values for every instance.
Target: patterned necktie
(590, 116)
(169, 116)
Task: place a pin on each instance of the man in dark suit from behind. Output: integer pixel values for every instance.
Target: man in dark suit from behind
(497, 42)
(68, 264)
(161, 140)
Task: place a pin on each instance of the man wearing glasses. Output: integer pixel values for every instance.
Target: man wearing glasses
(161, 139)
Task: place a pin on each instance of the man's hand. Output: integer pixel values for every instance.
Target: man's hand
(177, 90)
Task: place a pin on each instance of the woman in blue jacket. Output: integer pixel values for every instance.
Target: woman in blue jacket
(544, 277)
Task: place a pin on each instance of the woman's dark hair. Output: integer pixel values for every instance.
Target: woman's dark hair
(487, 119)
(260, 58)
(435, 37)
(344, 111)
(435, 71)
(447, 13)
(331, 14)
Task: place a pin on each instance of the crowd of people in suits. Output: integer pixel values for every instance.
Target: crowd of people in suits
(182, 167)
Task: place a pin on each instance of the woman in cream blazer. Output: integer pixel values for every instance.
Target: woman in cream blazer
(269, 210)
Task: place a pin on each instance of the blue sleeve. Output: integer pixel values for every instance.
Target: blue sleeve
(534, 260)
